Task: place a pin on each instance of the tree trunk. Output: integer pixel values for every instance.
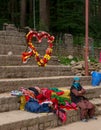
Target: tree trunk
(23, 13)
(12, 9)
(44, 15)
(31, 9)
(99, 10)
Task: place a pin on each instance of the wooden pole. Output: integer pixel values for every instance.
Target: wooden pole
(86, 36)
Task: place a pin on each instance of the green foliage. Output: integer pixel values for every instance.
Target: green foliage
(3, 21)
(92, 59)
(97, 43)
(42, 26)
(78, 40)
(69, 16)
(66, 16)
(66, 61)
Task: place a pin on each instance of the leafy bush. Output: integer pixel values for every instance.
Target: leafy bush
(67, 61)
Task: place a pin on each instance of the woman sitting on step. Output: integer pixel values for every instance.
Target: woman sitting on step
(87, 109)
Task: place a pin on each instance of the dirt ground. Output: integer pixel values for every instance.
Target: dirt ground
(90, 125)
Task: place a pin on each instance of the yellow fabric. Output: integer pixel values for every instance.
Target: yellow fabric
(23, 102)
(66, 93)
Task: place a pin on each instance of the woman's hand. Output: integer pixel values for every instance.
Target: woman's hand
(80, 92)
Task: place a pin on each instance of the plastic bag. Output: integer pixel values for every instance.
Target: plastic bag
(96, 78)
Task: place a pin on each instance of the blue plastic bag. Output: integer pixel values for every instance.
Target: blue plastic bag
(96, 78)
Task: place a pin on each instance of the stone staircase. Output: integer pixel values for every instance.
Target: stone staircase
(14, 75)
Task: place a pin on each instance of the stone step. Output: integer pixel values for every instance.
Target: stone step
(28, 71)
(5, 33)
(98, 110)
(54, 81)
(22, 120)
(16, 60)
(93, 92)
(18, 49)
(15, 49)
(19, 38)
(96, 101)
(12, 37)
(8, 102)
(11, 118)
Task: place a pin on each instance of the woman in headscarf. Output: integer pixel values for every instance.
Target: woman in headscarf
(87, 109)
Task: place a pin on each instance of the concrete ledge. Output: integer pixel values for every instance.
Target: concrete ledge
(18, 120)
(16, 60)
(22, 120)
(7, 85)
(27, 71)
(16, 49)
(9, 102)
(92, 92)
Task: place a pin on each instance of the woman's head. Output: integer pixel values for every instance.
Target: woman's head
(76, 79)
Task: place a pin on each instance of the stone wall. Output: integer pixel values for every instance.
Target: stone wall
(12, 36)
(68, 48)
